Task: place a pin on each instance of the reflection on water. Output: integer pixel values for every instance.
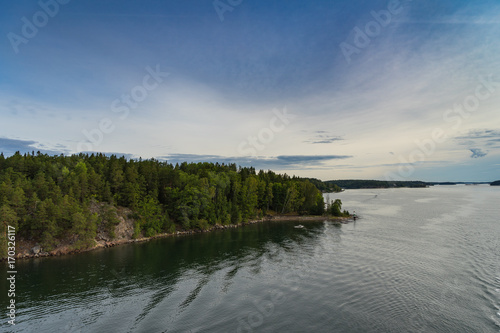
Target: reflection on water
(418, 260)
(99, 284)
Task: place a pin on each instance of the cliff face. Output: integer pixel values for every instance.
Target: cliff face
(123, 233)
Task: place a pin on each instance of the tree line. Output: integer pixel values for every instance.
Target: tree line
(363, 183)
(49, 198)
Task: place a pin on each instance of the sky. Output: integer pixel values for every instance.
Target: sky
(394, 90)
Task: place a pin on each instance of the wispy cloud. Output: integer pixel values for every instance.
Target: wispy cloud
(323, 137)
(11, 146)
(489, 138)
(477, 153)
(489, 134)
(261, 162)
(299, 159)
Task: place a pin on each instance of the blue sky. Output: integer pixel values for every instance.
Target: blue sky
(325, 89)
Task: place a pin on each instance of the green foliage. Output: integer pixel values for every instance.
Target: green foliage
(335, 208)
(153, 219)
(137, 230)
(51, 198)
(313, 202)
(8, 218)
(109, 218)
(202, 224)
(84, 226)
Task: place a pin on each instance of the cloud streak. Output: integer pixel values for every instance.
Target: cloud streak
(477, 153)
(11, 146)
(489, 138)
(323, 137)
(281, 162)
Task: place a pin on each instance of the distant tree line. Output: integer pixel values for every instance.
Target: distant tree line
(49, 198)
(326, 187)
(360, 183)
(495, 183)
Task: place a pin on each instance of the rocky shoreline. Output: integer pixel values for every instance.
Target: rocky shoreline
(29, 250)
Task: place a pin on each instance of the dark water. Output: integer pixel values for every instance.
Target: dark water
(418, 260)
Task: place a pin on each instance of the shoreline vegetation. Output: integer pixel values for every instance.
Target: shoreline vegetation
(25, 250)
(64, 204)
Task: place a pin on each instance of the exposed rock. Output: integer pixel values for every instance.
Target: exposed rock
(36, 249)
(102, 236)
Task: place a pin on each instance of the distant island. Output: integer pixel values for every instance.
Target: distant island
(364, 184)
(495, 183)
(325, 187)
(458, 183)
(367, 184)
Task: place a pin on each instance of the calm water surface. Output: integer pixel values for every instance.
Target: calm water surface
(418, 260)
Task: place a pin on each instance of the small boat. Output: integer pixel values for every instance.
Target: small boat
(300, 226)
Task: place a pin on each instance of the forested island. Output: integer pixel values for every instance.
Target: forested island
(80, 199)
(370, 184)
(458, 183)
(495, 183)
